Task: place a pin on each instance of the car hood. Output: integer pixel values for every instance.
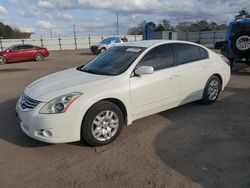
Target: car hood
(63, 82)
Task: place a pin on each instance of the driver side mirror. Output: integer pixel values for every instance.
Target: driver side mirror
(144, 70)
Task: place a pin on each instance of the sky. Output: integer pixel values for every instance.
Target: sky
(98, 17)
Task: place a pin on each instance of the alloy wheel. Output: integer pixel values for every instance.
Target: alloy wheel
(243, 42)
(213, 90)
(105, 125)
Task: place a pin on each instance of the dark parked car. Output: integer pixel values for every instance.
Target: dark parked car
(21, 52)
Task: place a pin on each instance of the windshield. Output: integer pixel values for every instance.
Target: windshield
(114, 61)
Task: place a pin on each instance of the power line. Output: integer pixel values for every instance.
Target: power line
(117, 24)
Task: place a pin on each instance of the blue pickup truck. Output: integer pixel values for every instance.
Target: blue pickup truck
(237, 45)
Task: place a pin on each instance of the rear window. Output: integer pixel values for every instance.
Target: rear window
(187, 53)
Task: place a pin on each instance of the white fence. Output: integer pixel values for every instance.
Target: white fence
(64, 43)
(205, 37)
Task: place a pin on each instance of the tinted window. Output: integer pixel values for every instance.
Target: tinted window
(188, 53)
(114, 61)
(159, 57)
(203, 53)
(17, 48)
(26, 47)
(22, 47)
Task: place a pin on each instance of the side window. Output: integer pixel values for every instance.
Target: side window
(17, 48)
(27, 47)
(203, 53)
(160, 57)
(117, 40)
(186, 53)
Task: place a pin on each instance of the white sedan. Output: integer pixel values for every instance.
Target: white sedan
(93, 102)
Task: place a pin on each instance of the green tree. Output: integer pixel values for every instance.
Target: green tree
(159, 27)
(167, 25)
(243, 14)
(138, 30)
(8, 32)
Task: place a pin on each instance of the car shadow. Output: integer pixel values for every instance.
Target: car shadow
(241, 69)
(209, 144)
(13, 70)
(86, 53)
(11, 132)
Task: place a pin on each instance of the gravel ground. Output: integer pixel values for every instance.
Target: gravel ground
(189, 146)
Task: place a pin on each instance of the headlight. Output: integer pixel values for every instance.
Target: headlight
(60, 104)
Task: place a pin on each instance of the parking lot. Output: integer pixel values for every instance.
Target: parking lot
(189, 146)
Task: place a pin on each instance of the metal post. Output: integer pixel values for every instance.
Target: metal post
(89, 41)
(214, 37)
(186, 36)
(117, 24)
(60, 44)
(135, 37)
(199, 37)
(1, 44)
(41, 41)
(22, 42)
(74, 27)
(50, 31)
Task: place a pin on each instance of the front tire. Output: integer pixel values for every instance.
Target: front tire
(102, 50)
(212, 90)
(102, 124)
(2, 60)
(39, 57)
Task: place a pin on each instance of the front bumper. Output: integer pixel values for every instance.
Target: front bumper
(62, 128)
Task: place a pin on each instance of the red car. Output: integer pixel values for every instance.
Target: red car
(24, 52)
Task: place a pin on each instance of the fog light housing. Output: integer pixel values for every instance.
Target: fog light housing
(46, 133)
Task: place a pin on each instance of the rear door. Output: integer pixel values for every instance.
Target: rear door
(158, 91)
(27, 52)
(195, 70)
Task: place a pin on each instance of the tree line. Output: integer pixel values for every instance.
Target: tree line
(202, 25)
(7, 32)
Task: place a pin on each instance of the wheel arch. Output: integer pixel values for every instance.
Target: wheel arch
(220, 78)
(116, 102)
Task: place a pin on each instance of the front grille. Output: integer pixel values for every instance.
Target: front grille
(28, 103)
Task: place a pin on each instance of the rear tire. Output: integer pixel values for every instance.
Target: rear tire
(211, 91)
(39, 57)
(102, 124)
(2, 60)
(232, 62)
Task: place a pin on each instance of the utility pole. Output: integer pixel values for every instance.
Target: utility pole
(74, 27)
(117, 24)
(50, 33)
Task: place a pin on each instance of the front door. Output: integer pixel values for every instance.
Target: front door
(159, 91)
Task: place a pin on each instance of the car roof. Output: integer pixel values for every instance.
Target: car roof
(244, 21)
(149, 43)
(22, 45)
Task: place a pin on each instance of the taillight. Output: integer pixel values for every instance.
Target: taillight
(226, 60)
